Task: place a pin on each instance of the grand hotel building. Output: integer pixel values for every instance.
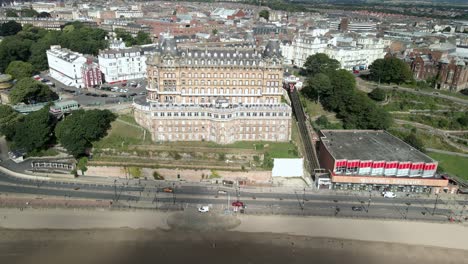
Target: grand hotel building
(215, 94)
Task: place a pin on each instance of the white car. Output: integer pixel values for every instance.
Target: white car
(204, 209)
(389, 195)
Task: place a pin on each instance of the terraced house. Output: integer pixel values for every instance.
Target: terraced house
(215, 94)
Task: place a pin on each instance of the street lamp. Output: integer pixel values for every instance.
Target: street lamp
(435, 204)
(407, 208)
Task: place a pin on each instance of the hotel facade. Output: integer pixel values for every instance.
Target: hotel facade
(222, 95)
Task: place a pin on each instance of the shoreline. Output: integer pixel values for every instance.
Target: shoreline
(442, 235)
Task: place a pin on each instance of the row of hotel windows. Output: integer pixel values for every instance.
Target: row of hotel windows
(256, 123)
(221, 82)
(195, 136)
(228, 91)
(241, 129)
(222, 116)
(224, 62)
(221, 75)
(228, 55)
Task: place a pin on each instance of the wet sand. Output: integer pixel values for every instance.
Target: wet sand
(39, 236)
(162, 246)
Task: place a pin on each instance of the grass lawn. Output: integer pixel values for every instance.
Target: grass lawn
(314, 109)
(455, 165)
(124, 135)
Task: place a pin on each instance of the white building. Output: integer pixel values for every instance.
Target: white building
(128, 13)
(348, 51)
(65, 65)
(119, 65)
(296, 52)
(362, 26)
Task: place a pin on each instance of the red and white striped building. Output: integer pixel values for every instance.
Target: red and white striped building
(374, 159)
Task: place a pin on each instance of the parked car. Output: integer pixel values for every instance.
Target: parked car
(132, 94)
(356, 208)
(222, 192)
(204, 209)
(104, 95)
(168, 190)
(389, 194)
(238, 204)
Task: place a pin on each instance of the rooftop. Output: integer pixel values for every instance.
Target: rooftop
(376, 145)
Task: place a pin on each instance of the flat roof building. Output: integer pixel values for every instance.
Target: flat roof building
(375, 159)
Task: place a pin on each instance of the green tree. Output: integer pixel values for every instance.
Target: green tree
(43, 15)
(8, 121)
(343, 86)
(463, 120)
(20, 69)
(82, 165)
(317, 86)
(265, 14)
(214, 32)
(320, 63)
(322, 121)
(378, 94)
(390, 70)
(125, 36)
(10, 28)
(34, 132)
(11, 13)
(77, 132)
(28, 13)
(13, 48)
(143, 38)
(415, 142)
(28, 90)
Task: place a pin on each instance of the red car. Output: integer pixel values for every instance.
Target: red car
(238, 204)
(356, 72)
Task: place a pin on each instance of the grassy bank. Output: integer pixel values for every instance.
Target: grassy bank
(455, 165)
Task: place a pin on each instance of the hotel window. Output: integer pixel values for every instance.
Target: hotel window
(240, 82)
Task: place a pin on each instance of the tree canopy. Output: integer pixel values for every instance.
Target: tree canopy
(8, 120)
(34, 132)
(11, 13)
(336, 90)
(20, 69)
(10, 28)
(320, 63)
(378, 94)
(265, 14)
(77, 132)
(390, 70)
(28, 90)
(29, 12)
(316, 85)
(140, 39)
(31, 43)
(44, 15)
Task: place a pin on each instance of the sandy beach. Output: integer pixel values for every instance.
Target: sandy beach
(102, 236)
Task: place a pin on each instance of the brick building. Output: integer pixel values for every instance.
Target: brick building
(91, 73)
(215, 94)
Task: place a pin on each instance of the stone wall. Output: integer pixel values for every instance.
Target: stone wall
(257, 177)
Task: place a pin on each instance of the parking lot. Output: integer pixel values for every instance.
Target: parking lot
(104, 94)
